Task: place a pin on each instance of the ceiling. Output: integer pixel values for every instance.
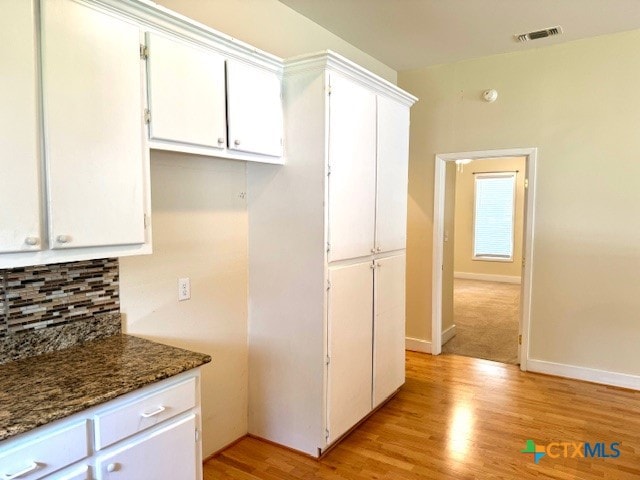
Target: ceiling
(409, 34)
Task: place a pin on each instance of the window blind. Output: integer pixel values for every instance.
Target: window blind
(494, 215)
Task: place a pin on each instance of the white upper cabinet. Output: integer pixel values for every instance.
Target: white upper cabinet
(94, 135)
(388, 327)
(186, 91)
(392, 175)
(352, 163)
(254, 106)
(20, 225)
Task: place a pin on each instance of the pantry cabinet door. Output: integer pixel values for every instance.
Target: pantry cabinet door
(352, 163)
(254, 106)
(19, 134)
(388, 327)
(186, 93)
(392, 175)
(93, 117)
(350, 337)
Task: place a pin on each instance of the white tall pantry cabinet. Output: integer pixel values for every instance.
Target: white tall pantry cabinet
(327, 256)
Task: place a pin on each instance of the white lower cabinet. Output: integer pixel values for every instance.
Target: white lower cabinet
(165, 454)
(350, 337)
(150, 434)
(366, 312)
(388, 327)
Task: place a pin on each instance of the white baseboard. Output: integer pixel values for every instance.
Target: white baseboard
(424, 346)
(488, 277)
(448, 334)
(417, 345)
(604, 377)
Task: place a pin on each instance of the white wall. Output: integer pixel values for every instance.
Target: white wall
(578, 103)
(199, 231)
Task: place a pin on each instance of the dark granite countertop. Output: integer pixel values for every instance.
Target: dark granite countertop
(38, 390)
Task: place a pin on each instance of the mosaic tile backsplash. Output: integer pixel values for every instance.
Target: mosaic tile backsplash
(47, 307)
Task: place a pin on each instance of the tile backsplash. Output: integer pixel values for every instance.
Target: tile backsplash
(46, 307)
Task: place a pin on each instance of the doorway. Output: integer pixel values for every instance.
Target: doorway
(486, 258)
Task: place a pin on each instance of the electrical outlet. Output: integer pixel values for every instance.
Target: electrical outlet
(184, 289)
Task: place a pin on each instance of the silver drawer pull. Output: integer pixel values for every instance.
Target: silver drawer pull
(157, 411)
(31, 468)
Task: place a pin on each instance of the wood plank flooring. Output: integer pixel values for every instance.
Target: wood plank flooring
(464, 418)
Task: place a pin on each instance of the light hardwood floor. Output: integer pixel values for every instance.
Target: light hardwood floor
(465, 418)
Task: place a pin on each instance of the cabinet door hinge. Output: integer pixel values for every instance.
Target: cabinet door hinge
(146, 220)
(526, 183)
(519, 339)
(523, 262)
(147, 115)
(144, 52)
(328, 170)
(197, 435)
(328, 247)
(327, 360)
(328, 284)
(326, 435)
(328, 89)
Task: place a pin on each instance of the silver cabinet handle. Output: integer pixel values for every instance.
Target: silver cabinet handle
(220, 141)
(378, 249)
(378, 264)
(236, 143)
(63, 238)
(32, 241)
(31, 468)
(157, 411)
(112, 467)
(373, 250)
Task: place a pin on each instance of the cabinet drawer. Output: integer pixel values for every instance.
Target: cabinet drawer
(45, 454)
(143, 413)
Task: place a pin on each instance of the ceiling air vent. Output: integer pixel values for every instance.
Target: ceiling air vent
(547, 32)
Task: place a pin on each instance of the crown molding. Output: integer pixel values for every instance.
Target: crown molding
(157, 18)
(332, 61)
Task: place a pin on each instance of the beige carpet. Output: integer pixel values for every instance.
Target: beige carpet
(486, 315)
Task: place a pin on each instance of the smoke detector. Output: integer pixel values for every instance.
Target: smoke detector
(538, 34)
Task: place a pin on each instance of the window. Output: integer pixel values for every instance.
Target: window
(494, 216)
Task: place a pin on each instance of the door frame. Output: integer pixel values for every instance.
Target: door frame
(441, 160)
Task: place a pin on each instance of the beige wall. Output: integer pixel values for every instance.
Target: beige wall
(273, 27)
(465, 202)
(200, 229)
(578, 103)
